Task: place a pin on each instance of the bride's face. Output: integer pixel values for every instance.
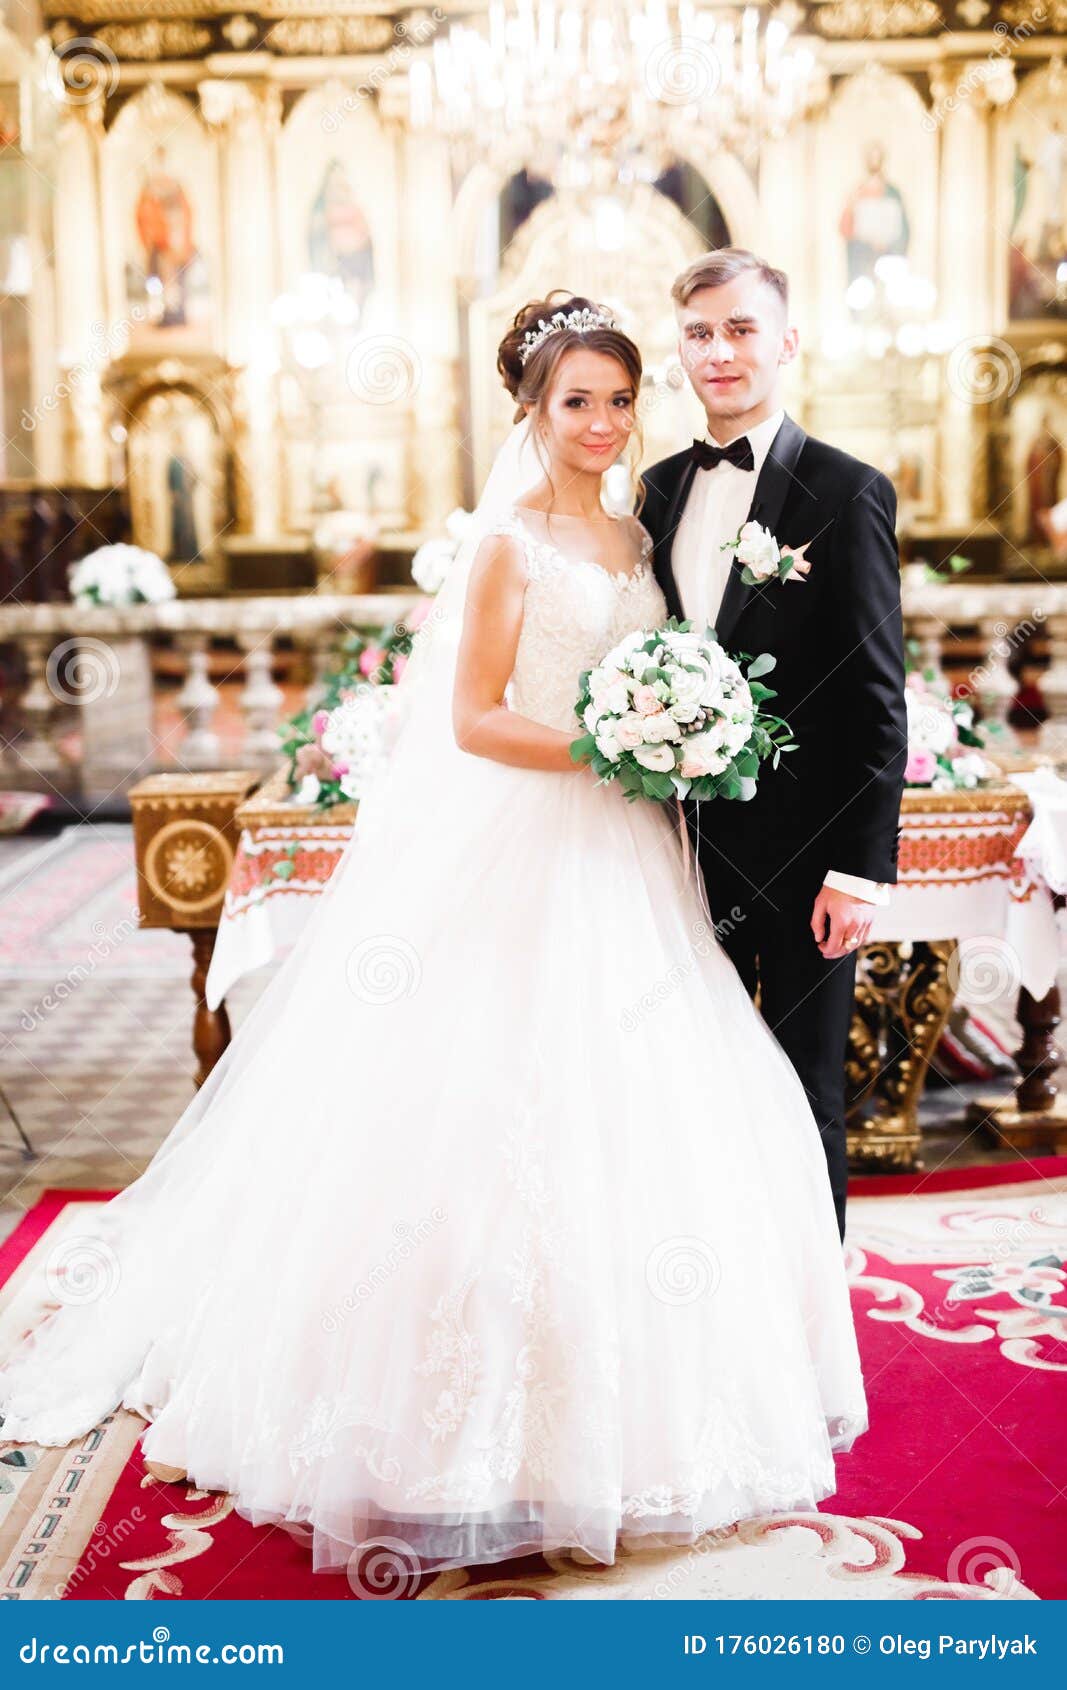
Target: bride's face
(587, 416)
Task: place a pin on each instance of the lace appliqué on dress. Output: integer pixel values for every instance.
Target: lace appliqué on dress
(574, 612)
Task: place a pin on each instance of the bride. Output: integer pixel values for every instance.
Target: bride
(504, 1224)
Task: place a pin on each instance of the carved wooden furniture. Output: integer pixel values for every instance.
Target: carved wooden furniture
(905, 987)
(209, 841)
(185, 836)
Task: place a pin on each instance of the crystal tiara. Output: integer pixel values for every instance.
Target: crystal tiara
(580, 322)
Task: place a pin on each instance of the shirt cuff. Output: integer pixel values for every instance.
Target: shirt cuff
(871, 891)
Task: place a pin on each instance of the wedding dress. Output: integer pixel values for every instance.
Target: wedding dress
(504, 1223)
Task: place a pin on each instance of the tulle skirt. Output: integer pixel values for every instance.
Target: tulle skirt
(503, 1225)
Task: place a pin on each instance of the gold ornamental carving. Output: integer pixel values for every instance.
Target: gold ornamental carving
(904, 994)
(154, 39)
(1045, 17)
(853, 20)
(187, 866)
(329, 36)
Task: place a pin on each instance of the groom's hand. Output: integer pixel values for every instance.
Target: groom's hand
(847, 919)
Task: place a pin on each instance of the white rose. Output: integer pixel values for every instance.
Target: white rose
(657, 757)
(619, 656)
(638, 662)
(609, 747)
(714, 735)
(688, 686)
(661, 727)
(629, 731)
(704, 750)
(737, 736)
(614, 700)
(759, 550)
(684, 712)
(929, 722)
(591, 718)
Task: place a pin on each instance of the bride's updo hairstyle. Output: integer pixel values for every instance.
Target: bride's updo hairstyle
(531, 382)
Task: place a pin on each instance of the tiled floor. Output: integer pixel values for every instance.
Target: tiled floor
(99, 1079)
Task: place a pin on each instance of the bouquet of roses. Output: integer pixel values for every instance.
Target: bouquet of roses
(669, 713)
(945, 745)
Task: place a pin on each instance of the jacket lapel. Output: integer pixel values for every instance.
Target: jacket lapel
(773, 486)
(663, 566)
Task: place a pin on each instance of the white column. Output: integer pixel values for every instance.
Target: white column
(963, 284)
(198, 700)
(261, 700)
(431, 317)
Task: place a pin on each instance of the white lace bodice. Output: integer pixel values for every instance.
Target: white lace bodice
(575, 610)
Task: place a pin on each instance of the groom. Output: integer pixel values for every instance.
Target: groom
(806, 860)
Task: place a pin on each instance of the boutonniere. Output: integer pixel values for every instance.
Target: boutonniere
(762, 556)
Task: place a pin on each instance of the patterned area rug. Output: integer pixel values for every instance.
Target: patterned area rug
(956, 1493)
(70, 911)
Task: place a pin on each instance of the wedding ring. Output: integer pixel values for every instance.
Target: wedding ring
(851, 942)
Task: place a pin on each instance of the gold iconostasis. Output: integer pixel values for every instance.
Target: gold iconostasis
(251, 272)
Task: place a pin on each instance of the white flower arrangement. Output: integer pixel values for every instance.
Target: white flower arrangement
(353, 737)
(763, 557)
(120, 575)
(944, 746)
(669, 713)
(434, 558)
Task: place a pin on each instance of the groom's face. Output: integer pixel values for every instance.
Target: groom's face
(733, 341)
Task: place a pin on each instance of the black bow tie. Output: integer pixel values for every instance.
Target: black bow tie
(738, 452)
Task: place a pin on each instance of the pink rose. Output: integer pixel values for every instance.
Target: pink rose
(372, 659)
(645, 702)
(400, 663)
(339, 769)
(921, 767)
(318, 722)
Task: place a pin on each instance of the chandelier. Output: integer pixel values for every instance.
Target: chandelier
(598, 83)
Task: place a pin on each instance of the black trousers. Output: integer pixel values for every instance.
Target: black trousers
(763, 920)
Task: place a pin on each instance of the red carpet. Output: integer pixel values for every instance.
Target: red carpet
(958, 1491)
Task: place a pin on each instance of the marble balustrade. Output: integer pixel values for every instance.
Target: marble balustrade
(96, 662)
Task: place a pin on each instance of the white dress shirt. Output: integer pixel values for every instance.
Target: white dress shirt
(716, 510)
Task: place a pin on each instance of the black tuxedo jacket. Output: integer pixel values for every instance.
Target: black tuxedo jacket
(834, 803)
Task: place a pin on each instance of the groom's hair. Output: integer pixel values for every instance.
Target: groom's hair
(712, 269)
